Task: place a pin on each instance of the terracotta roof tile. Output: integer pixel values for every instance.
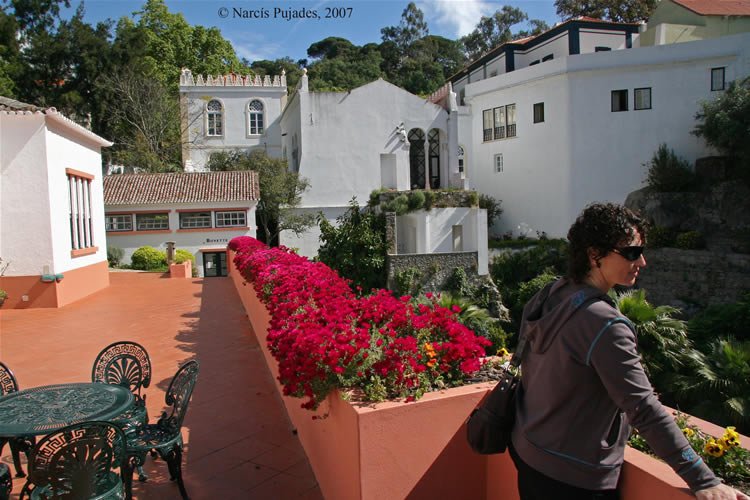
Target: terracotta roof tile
(717, 7)
(8, 104)
(195, 187)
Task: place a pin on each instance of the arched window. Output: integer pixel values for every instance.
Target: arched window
(416, 158)
(214, 118)
(434, 138)
(255, 117)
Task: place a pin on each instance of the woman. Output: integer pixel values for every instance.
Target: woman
(583, 384)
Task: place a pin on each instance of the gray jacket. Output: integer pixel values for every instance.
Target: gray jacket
(582, 387)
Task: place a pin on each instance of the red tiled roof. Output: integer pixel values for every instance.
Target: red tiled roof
(8, 104)
(132, 189)
(717, 7)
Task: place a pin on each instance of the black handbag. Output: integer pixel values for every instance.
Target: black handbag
(489, 426)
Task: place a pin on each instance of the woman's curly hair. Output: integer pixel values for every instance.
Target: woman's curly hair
(600, 227)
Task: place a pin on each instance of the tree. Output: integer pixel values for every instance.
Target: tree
(341, 65)
(280, 190)
(411, 28)
(622, 11)
(145, 118)
(292, 69)
(493, 207)
(495, 30)
(725, 122)
(355, 247)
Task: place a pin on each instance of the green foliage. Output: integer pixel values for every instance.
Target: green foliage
(476, 318)
(355, 246)
(724, 455)
(528, 289)
(399, 205)
(280, 190)
(493, 207)
(114, 256)
(725, 122)
(690, 240)
(429, 199)
(148, 258)
(181, 255)
(495, 30)
(660, 236)
(3, 294)
(416, 200)
(458, 282)
(720, 390)
(628, 11)
(663, 341)
(721, 320)
(667, 172)
(408, 281)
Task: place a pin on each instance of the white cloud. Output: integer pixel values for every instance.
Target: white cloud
(255, 47)
(457, 17)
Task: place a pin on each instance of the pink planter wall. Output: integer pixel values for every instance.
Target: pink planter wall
(419, 450)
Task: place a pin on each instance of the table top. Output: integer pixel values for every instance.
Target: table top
(45, 409)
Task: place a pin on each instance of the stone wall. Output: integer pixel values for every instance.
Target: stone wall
(686, 277)
(434, 269)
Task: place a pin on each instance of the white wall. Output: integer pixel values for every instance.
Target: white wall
(583, 152)
(557, 46)
(64, 153)
(236, 132)
(344, 134)
(590, 39)
(25, 229)
(191, 240)
(308, 243)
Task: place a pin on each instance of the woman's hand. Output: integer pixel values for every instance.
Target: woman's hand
(721, 492)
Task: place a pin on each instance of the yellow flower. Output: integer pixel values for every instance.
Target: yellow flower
(714, 448)
(688, 432)
(502, 352)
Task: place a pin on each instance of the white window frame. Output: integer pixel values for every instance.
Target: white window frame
(200, 219)
(118, 222)
(498, 163)
(255, 118)
(148, 221)
(211, 119)
(79, 210)
(236, 218)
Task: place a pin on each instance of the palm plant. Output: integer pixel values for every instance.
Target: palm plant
(720, 390)
(662, 339)
(476, 318)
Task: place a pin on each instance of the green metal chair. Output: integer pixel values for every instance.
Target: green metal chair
(21, 444)
(165, 436)
(6, 482)
(77, 462)
(126, 364)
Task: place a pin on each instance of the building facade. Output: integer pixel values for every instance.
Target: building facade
(52, 239)
(199, 212)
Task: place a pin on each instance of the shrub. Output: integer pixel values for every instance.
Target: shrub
(493, 207)
(408, 281)
(324, 337)
(399, 205)
(690, 240)
(527, 289)
(660, 236)
(114, 256)
(721, 320)
(667, 172)
(181, 255)
(416, 200)
(148, 259)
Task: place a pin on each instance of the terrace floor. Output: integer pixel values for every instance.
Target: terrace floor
(239, 442)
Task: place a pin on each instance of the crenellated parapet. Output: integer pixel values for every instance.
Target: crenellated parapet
(231, 80)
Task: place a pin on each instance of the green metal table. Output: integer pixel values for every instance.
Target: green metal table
(45, 409)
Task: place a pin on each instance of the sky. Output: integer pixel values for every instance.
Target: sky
(269, 29)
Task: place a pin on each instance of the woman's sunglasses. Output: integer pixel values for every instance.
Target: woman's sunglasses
(629, 253)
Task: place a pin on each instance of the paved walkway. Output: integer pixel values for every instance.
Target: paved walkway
(238, 440)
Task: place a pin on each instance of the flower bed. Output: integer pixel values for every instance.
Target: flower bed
(326, 337)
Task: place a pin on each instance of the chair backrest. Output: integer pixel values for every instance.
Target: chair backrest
(77, 461)
(178, 395)
(8, 381)
(123, 363)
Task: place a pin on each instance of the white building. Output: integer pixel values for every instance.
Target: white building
(229, 112)
(200, 212)
(548, 139)
(52, 236)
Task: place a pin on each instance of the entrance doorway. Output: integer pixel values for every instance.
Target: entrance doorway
(214, 264)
